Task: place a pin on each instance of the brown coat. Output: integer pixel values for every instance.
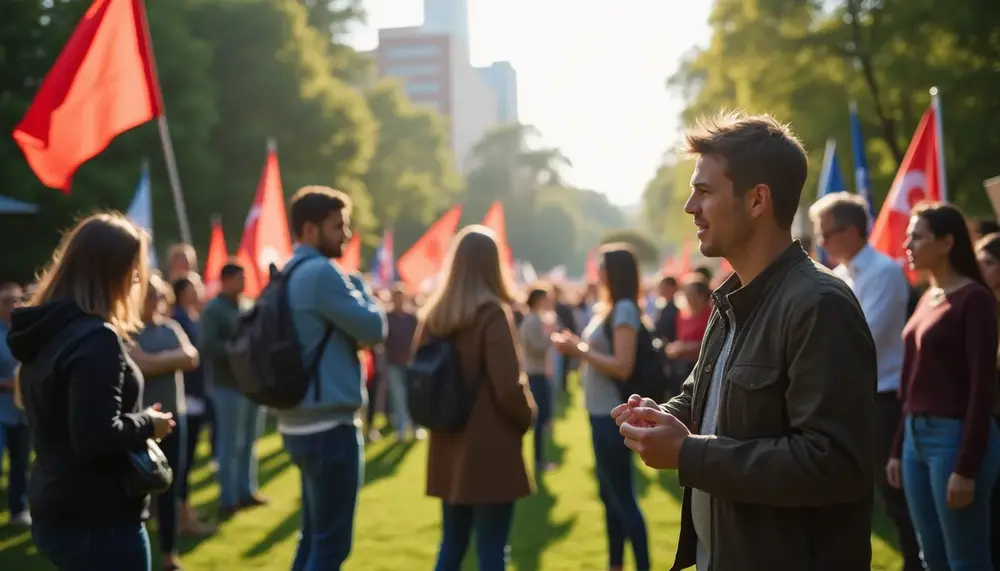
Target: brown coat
(484, 464)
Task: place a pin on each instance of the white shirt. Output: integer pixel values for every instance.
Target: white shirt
(884, 293)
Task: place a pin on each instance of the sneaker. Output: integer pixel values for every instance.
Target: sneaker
(254, 500)
(420, 433)
(22, 519)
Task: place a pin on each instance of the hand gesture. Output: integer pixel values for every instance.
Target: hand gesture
(566, 342)
(961, 491)
(163, 422)
(659, 445)
(623, 412)
(892, 473)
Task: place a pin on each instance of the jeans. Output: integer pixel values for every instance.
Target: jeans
(16, 440)
(888, 414)
(951, 540)
(332, 468)
(491, 523)
(541, 391)
(397, 400)
(238, 424)
(615, 472)
(173, 447)
(194, 427)
(123, 548)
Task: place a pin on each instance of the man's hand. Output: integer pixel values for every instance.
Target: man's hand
(659, 441)
(623, 412)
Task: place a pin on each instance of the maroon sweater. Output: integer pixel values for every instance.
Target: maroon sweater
(950, 367)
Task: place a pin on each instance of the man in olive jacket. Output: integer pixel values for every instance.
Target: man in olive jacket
(773, 434)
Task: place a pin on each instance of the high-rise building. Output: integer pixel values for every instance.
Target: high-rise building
(503, 79)
(449, 18)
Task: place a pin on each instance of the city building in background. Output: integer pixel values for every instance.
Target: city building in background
(449, 18)
(503, 79)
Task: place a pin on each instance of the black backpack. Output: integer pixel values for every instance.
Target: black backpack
(265, 354)
(651, 374)
(438, 397)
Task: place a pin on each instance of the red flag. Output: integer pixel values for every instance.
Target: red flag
(101, 85)
(918, 178)
(217, 257)
(350, 261)
(265, 235)
(494, 220)
(592, 273)
(424, 258)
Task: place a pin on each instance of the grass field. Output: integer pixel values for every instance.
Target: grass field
(560, 528)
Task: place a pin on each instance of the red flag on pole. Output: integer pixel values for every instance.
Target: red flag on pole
(592, 273)
(101, 85)
(495, 221)
(350, 261)
(266, 239)
(423, 260)
(919, 178)
(217, 257)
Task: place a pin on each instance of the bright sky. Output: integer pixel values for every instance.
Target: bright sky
(591, 74)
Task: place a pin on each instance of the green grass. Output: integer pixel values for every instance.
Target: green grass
(560, 528)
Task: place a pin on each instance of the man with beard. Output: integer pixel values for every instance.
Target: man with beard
(334, 315)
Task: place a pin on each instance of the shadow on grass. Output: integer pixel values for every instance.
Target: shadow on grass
(386, 462)
(534, 528)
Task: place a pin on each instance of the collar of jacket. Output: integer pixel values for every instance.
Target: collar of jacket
(742, 298)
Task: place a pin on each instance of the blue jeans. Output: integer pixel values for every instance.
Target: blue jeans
(615, 472)
(16, 440)
(397, 399)
(238, 424)
(122, 548)
(950, 540)
(332, 468)
(492, 525)
(541, 391)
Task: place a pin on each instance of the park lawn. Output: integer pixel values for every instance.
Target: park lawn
(560, 528)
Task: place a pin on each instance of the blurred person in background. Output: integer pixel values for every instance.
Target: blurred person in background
(988, 255)
(181, 261)
(665, 317)
(14, 436)
(566, 316)
(82, 396)
(163, 353)
(402, 327)
(538, 324)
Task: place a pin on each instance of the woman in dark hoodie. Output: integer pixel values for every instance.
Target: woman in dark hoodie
(82, 395)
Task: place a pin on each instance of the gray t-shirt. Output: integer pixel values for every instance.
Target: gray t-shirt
(600, 392)
(167, 388)
(701, 502)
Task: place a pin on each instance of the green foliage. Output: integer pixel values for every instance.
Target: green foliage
(644, 248)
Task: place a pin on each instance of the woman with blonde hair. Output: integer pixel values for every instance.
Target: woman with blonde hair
(82, 396)
(478, 473)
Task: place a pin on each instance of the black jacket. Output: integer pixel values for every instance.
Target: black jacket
(82, 397)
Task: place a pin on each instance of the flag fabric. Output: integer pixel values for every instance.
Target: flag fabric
(384, 267)
(350, 258)
(528, 273)
(592, 273)
(102, 84)
(862, 178)
(919, 178)
(266, 239)
(494, 220)
(423, 260)
(557, 274)
(831, 180)
(140, 212)
(217, 257)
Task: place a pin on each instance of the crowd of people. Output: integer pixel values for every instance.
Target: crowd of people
(799, 391)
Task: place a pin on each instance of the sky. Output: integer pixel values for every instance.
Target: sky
(591, 75)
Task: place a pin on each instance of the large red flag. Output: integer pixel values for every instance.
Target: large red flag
(494, 220)
(424, 258)
(101, 85)
(266, 239)
(350, 261)
(918, 178)
(217, 257)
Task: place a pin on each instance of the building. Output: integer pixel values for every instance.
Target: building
(448, 18)
(435, 71)
(503, 79)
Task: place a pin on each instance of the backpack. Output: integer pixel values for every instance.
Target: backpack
(437, 395)
(265, 354)
(651, 374)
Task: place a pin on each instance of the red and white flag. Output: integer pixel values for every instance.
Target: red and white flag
(266, 239)
(920, 177)
(216, 259)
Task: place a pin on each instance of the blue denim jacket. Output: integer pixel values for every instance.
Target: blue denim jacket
(320, 296)
(10, 415)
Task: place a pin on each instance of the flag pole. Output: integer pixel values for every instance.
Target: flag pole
(168, 147)
(272, 145)
(939, 134)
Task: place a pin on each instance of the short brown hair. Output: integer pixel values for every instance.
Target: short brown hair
(96, 266)
(758, 149)
(314, 204)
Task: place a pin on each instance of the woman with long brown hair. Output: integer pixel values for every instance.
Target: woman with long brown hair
(479, 473)
(82, 395)
(607, 351)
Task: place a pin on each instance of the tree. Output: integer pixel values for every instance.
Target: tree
(645, 249)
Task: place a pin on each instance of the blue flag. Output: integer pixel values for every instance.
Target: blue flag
(862, 179)
(831, 180)
(140, 212)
